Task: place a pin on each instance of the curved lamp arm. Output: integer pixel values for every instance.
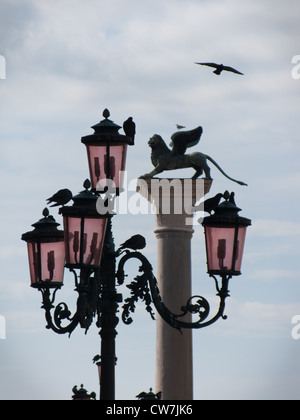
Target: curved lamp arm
(86, 305)
(143, 287)
(139, 289)
(61, 313)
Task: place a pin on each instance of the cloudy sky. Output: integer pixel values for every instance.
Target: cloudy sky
(68, 60)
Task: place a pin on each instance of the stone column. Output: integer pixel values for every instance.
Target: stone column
(172, 200)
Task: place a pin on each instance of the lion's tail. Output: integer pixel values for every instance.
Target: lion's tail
(221, 170)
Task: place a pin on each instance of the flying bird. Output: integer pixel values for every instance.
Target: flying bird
(135, 242)
(179, 127)
(220, 67)
(60, 198)
(129, 128)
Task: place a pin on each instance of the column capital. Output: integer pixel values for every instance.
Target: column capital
(173, 198)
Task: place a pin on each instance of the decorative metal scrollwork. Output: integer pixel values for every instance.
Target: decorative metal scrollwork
(145, 287)
(201, 307)
(95, 299)
(61, 313)
(86, 306)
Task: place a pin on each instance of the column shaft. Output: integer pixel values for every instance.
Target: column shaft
(174, 231)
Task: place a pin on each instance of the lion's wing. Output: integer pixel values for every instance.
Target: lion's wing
(181, 140)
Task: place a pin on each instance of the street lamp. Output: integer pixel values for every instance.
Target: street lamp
(46, 255)
(84, 230)
(225, 233)
(106, 151)
(87, 249)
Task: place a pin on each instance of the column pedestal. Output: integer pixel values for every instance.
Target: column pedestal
(172, 200)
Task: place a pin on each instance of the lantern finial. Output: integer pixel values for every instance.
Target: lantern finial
(87, 184)
(45, 212)
(106, 113)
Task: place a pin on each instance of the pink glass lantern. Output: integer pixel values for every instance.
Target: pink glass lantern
(84, 230)
(106, 151)
(46, 253)
(225, 233)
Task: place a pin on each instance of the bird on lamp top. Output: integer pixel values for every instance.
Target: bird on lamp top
(60, 198)
(209, 205)
(129, 128)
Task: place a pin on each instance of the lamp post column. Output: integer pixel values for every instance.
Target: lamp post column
(172, 199)
(108, 319)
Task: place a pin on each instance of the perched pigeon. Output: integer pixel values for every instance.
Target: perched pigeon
(210, 204)
(60, 198)
(135, 242)
(219, 68)
(97, 359)
(129, 128)
(231, 199)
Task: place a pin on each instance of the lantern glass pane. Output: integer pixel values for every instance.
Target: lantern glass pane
(33, 262)
(53, 260)
(219, 248)
(46, 262)
(221, 255)
(84, 238)
(103, 168)
(240, 247)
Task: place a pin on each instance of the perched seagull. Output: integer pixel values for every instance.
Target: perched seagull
(219, 68)
(60, 198)
(179, 127)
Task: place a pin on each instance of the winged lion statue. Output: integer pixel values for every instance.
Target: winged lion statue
(165, 159)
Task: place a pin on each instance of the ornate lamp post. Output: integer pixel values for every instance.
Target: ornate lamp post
(87, 249)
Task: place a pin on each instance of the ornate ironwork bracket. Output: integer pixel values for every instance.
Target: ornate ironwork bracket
(88, 289)
(94, 298)
(145, 287)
